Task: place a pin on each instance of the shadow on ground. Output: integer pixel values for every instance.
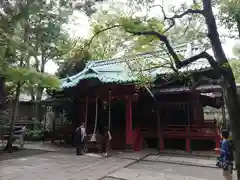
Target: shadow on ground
(20, 153)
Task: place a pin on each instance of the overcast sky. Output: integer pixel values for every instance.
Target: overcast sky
(80, 27)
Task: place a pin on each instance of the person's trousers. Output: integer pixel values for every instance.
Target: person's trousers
(227, 173)
(79, 148)
(22, 140)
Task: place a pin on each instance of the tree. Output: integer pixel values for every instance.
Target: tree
(220, 65)
(235, 65)
(230, 16)
(45, 23)
(46, 32)
(115, 42)
(16, 53)
(73, 59)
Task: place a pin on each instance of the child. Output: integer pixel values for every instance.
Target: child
(226, 156)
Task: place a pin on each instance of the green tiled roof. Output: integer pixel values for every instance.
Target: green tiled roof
(122, 70)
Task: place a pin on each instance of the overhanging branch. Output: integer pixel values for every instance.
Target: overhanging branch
(177, 16)
(211, 61)
(100, 31)
(164, 40)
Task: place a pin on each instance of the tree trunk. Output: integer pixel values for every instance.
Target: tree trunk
(14, 117)
(2, 93)
(18, 91)
(32, 94)
(233, 107)
(40, 89)
(230, 88)
(238, 27)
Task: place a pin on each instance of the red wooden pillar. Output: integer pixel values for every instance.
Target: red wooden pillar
(188, 145)
(188, 131)
(217, 138)
(128, 132)
(161, 139)
(159, 131)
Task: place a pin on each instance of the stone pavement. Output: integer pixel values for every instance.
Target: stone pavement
(206, 154)
(53, 162)
(183, 160)
(144, 170)
(123, 166)
(59, 166)
(48, 146)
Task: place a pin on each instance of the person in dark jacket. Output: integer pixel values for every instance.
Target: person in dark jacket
(79, 139)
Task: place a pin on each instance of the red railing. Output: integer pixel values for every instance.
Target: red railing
(174, 131)
(148, 132)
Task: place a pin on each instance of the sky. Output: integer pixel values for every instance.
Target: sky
(80, 27)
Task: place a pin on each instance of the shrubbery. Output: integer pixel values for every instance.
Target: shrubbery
(36, 133)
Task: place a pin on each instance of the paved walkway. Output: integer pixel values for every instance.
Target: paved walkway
(183, 160)
(59, 166)
(52, 162)
(48, 146)
(160, 171)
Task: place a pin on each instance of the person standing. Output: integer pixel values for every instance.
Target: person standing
(226, 156)
(83, 131)
(22, 135)
(79, 139)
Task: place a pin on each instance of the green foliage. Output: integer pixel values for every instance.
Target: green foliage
(46, 22)
(31, 35)
(36, 133)
(230, 15)
(110, 26)
(139, 24)
(31, 77)
(235, 65)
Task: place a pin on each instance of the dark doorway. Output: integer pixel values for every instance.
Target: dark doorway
(203, 145)
(175, 144)
(151, 143)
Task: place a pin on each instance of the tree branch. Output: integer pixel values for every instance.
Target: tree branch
(100, 31)
(146, 33)
(165, 41)
(177, 16)
(207, 56)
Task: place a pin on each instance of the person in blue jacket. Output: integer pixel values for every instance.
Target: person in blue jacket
(226, 156)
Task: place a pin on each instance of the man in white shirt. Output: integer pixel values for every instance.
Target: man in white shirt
(79, 138)
(83, 131)
(23, 133)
